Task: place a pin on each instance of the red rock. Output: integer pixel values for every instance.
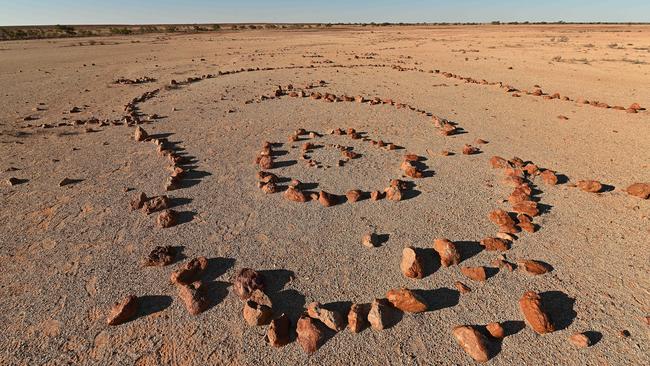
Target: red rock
(160, 256)
(300, 131)
(496, 330)
(307, 146)
(549, 177)
(331, 318)
(270, 188)
(513, 172)
(635, 106)
(376, 195)
(391, 146)
(310, 336)
(140, 134)
(474, 273)
(358, 317)
(501, 218)
(166, 218)
(590, 186)
(494, 244)
(411, 264)
(338, 131)
(292, 138)
(526, 207)
(641, 190)
(525, 223)
(533, 267)
(411, 157)
(189, 272)
(498, 162)
(295, 195)
(580, 340)
(501, 263)
(246, 282)
(470, 150)
(327, 199)
(462, 288)
(516, 162)
(393, 194)
(257, 314)
(473, 342)
(449, 254)
(349, 154)
(413, 172)
(518, 195)
(194, 297)
(480, 141)
(123, 311)
(353, 195)
(513, 181)
(381, 314)
(406, 300)
(530, 305)
(266, 162)
(370, 240)
(138, 201)
(278, 334)
(154, 204)
(399, 184)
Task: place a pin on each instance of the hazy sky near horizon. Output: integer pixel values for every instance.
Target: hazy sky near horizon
(27, 12)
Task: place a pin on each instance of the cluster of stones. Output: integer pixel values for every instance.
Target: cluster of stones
(268, 182)
(167, 217)
(140, 80)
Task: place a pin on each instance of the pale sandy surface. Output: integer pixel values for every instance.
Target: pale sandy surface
(67, 253)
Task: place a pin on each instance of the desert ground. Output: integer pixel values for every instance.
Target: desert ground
(220, 107)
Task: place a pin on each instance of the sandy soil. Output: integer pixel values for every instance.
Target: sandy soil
(69, 252)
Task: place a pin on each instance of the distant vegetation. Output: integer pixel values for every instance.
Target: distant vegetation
(63, 31)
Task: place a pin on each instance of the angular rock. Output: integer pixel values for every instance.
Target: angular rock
(353, 195)
(526, 207)
(189, 272)
(530, 305)
(496, 330)
(327, 199)
(246, 282)
(470, 150)
(358, 317)
(370, 240)
(462, 288)
(278, 334)
(257, 314)
(381, 314)
(331, 318)
(641, 190)
(310, 336)
(525, 223)
(160, 256)
(406, 300)
(590, 186)
(166, 218)
(266, 177)
(376, 195)
(580, 340)
(270, 188)
(138, 201)
(473, 342)
(295, 195)
(123, 311)
(449, 254)
(498, 162)
(533, 267)
(194, 297)
(494, 244)
(411, 264)
(393, 194)
(266, 162)
(140, 134)
(474, 273)
(501, 218)
(413, 172)
(154, 204)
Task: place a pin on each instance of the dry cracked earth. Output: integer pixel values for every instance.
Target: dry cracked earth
(299, 187)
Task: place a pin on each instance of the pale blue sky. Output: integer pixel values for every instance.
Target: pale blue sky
(23, 12)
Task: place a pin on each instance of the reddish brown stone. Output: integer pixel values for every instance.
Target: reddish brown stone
(513, 181)
(246, 282)
(496, 330)
(406, 300)
(138, 201)
(166, 218)
(123, 311)
(501, 218)
(331, 318)
(549, 177)
(533, 267)
(256, 314)
(525, 223)
(413, 172)
(310, 336)
(160, 256)
(393, 194)
(580, 340)
(591, 186)
(381, 314)
(190, 271)
(526, 207)
(353, 195)
(266, 162)
(641, 190)
(270, 188)
(140, 134)
(494, 244)
(278, 334)
(498, 162)
(358, 317)
(411, 157)
(295, 195)
(370, 240)
(327, 199)
(475, 273)
(411, 264)
(473, 342)
(462, 288)
(518, 195)
(156, 204)
(449, 254)
(470, 150)
(531, 307)
(194, 297)
(376, 195)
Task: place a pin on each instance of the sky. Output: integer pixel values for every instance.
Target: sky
(47, 12)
